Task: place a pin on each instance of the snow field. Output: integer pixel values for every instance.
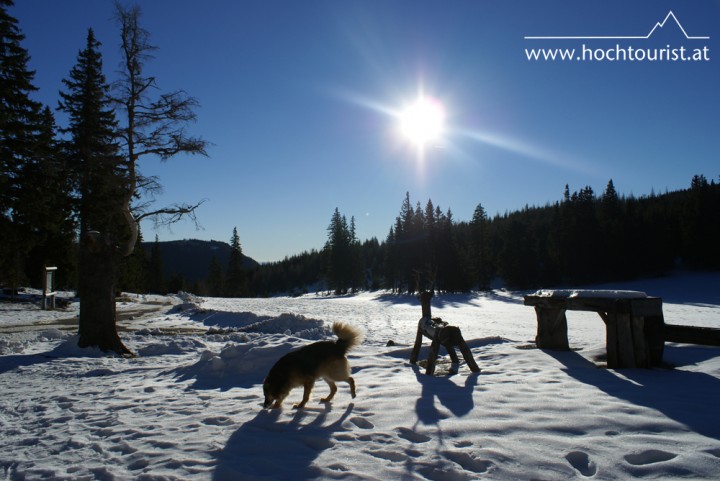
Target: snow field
(189, 407)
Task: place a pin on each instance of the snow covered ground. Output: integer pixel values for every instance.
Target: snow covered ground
(189, 406)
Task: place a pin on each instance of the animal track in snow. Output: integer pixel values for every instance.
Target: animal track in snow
(412, 436)
(581, 461)
(650, 456)
(362, 423)
(467, 462)
(463, 444)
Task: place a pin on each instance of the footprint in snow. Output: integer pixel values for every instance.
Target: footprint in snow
(581, 461)
(650, 456)
(362, 423)
(217, 421)
(412, 436)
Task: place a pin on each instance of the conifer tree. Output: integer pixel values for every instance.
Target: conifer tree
(19, 123)
(235, 278)
(479, 248)
(93, 154)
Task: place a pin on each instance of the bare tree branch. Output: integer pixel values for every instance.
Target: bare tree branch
(153, 126)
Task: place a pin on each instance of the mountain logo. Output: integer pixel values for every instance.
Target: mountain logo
(658, 26)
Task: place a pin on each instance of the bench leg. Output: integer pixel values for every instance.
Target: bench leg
(551, 329)
(467, 355)
(416, 348)
(451, 350)
(434, 348)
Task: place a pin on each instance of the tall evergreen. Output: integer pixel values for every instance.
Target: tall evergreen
(344, 268)
(101, 183)
(479, 248)
(235, 277)
(44, 210)
(19, 124)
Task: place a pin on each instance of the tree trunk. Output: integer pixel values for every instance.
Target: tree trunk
(96, 282)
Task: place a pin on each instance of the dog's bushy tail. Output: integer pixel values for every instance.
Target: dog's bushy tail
(348, 336)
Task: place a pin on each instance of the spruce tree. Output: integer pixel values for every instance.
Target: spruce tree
(93, 154)
(19, 123)
(481, 261)
(44, 210)
(235, 278)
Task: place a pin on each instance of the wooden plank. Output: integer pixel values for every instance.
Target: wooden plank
(651, 306)
(625, 345)
(416, 347)
(551, 329)
(611, 342)
(706, 336)
(641, 351)
(434, 348)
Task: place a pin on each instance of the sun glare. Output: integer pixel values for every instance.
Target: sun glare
(423, 121)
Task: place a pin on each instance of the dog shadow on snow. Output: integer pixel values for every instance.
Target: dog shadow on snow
(268, 448)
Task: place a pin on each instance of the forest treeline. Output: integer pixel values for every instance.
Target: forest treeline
(581, 239)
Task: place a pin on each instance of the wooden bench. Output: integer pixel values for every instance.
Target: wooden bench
(440, 334)
(634, 323)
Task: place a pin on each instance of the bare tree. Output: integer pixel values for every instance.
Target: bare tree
(154, 125)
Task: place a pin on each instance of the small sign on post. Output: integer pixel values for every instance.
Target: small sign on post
(49, 292)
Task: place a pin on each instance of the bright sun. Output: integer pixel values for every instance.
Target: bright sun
(422, 122)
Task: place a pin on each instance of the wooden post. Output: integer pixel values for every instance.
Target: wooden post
(416, 348)
(49, 287)
(611, 343)
(434, 348)
(625, 344)
(467, 355)
(640, 343)
(551, 329)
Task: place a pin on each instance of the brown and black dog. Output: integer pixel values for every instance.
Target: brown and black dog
(303, 366)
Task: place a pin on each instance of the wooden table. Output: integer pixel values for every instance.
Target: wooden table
(634, 323)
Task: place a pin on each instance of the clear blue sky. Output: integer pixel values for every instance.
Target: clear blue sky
(298, 99)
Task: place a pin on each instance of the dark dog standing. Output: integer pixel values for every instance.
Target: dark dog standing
(302, 367)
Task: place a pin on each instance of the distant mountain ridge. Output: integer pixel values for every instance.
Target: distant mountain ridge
(191, 257)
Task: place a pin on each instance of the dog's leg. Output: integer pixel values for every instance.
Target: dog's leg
(351, 381)
(308, 386)
(333, 390)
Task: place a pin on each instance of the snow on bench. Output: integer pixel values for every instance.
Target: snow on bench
(590, 294)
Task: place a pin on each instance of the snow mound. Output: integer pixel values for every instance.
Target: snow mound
(291, 324)
(190, 303)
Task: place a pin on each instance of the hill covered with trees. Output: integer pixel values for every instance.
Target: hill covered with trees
(581, 239)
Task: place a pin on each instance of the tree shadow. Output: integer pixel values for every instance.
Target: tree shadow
(687, 397)
(14, 361)
(66, 348)
(266, 449)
